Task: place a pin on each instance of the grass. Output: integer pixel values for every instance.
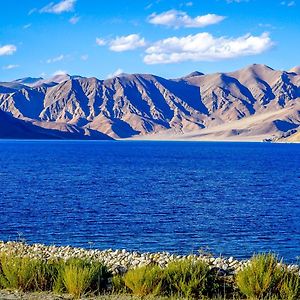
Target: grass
(26, 274)
(264, 278)
(144, 281)
(74, 276)
(290, 287)
(118, 285)
(189, 279)
(80, 276)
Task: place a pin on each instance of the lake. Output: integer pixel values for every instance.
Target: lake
(224, 198)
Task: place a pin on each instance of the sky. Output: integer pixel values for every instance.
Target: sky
(100, 38)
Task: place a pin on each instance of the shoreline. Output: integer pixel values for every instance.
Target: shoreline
(235, 141)
(120, 261)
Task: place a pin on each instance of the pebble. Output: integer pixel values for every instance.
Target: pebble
(120, 261)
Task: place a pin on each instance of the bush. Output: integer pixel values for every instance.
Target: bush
(79, 277)
(290, 287)
(144, 281)
(261, 278)
(26, 274)
(118, 285)
(188, 278)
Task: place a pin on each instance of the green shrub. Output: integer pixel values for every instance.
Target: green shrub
(262, 278)
(187, 278)
(26, 274)
(118, 285)
(144, 281)
(290, 287)
(80, 277)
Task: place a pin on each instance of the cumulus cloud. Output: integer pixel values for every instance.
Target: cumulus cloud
(55, 59)
(115, 74)
(205, 47)
(177, 19)
(60, 7)
(7, 50)
(10, 67)
(126, 43)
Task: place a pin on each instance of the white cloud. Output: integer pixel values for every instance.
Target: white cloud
(74, 20)
(267, 25)
(126, 43)
(60, 72)
(60, 7)
(236, 1)
(84, 57)
(55, 59)
(32, 11)
(27, 26)
(10, 67)
(7, 50)
(288, 3)
(177, 19)
(115, 74)
(100, 42)
(205, 47)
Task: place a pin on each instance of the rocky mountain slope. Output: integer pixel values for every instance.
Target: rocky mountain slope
(254, 103)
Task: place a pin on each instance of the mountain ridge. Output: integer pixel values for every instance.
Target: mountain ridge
(142, 106)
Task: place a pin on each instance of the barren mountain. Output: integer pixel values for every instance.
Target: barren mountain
(12, 128)
(255, 103)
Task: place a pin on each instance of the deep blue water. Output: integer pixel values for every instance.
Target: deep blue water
(230, 198)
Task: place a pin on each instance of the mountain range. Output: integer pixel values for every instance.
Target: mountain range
(255, 103)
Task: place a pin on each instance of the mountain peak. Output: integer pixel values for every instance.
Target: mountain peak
(295, 70)
(259, 67)
(29, 81)
(194, 74)
(255, 101)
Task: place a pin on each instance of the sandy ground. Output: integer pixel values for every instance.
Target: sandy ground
(252, 129)
(6, 295)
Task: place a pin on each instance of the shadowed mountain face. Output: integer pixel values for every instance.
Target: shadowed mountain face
(256, 101)
(12, 128)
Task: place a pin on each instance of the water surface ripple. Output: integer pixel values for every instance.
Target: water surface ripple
(231, 198)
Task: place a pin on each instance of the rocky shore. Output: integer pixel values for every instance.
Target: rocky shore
(120, 261)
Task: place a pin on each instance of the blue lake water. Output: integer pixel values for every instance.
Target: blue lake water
(228, 198)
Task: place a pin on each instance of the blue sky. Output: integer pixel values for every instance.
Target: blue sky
(164, 37)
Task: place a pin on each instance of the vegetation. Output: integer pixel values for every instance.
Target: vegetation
(187, 278)
(265, 277)
(26, 274)
(144, 280)
(290, 288)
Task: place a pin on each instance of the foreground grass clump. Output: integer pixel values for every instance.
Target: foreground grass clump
(26, 274)
(189, 279)
(185, 278)
(262, 278)
(144, 281)
(118, 285)
(290, 287)
(75, 276)
(78, 277)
